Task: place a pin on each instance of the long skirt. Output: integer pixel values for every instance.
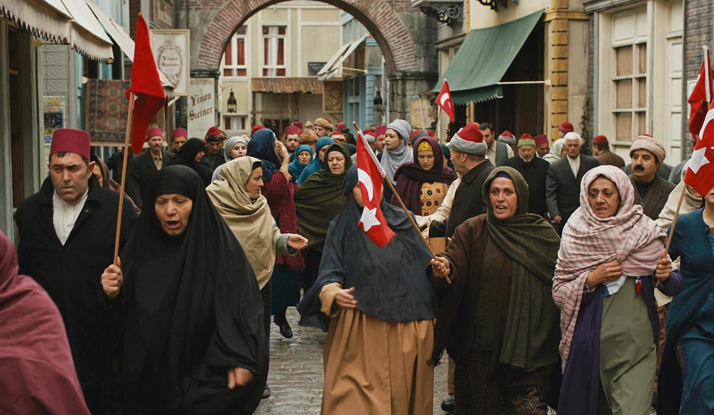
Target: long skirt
(377, 367)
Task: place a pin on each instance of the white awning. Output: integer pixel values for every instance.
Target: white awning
(87, 35)
(61, 21)
(333, 66)
(120, 36)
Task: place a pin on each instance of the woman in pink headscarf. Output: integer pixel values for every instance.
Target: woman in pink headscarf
(37, 374)
(610, 260)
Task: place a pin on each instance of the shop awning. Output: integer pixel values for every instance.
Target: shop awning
(332, 66)
(286, 85)
(120, 36)
(62, 21)
(484, 58)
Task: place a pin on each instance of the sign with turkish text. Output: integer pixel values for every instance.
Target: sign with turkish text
(171, 51)
(201, 106)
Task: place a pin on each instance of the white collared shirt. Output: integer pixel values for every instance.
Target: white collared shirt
(64, 215)
(574, 164)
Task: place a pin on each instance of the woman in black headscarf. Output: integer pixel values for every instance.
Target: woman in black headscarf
(190, 155)
(382, 306)
(192, 314)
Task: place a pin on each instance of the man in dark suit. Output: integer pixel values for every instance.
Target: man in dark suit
(601, 150)
(534, 170)
(66, 241)
(144, 167)
(562, 186)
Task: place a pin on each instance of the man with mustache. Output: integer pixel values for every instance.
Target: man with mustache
(144, 167)
(66, 240)
(652, 190)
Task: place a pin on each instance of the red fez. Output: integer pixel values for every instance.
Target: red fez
(368, 132)
(213, 131)
(541, 139)
(600, 139)
(255, 129)
(291, 130)
(154, 132)
(381, 130)
(69, 140)
(566, 127)
(297, 124)
(180, 132)
(525, 136)
(341, 126)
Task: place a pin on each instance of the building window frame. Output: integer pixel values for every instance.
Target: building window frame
(235, 122)
(236, 69)
(274, 55)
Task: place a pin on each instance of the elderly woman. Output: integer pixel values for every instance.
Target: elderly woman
(686, 384)
(610, 260)
(236, 147)
(303, 157)
(497, 319)
(423, 185)
(193, 339)
(318, 201)
(318, 162)
(382, 308)
(190, 155)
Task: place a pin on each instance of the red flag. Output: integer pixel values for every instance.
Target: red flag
(700, 174)
(445, 102)
(371, 176)
(146, 85)
(701, 95)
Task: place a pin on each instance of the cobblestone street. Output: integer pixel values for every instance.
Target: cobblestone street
(296, 372)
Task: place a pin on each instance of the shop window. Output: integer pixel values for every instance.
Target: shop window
(234, 123)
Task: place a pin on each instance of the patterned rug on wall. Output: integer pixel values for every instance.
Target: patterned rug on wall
(106, 109)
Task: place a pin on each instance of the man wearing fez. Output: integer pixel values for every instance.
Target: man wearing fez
(144, 167)
(601, 150)
(214, 148)
(66, 233)
(292, 140)
(180, 135)
(542, 145)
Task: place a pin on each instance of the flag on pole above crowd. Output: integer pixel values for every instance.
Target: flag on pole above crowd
(701, 96)
(700, 174)
(146, 88)
(371, 176)
(444, 101)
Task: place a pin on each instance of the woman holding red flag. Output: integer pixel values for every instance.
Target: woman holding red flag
(380, 314)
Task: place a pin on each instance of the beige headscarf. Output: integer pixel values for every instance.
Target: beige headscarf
(248, 217)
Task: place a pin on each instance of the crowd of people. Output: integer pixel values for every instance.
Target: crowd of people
(550, 288)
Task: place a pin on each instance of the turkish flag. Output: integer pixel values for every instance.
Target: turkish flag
(371, 176)
(700, 174)
(149, 95)
(701, 95)
(445, 102)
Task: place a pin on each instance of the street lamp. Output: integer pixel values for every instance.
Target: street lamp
(232, 103)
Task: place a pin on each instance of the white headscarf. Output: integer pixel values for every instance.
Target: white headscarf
(392, 159)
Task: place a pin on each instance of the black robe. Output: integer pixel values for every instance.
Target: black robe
(71, 273)
(191, 310)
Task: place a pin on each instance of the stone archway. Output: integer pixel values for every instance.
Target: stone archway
(405, 37)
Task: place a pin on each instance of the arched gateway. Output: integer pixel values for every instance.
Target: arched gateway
(405, 37)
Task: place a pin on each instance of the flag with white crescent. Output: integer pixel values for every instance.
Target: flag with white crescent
(444, 101)
(371, 175)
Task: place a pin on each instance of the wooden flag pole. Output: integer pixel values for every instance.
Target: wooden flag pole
(674, 221)
(406, 211)
(123, 176)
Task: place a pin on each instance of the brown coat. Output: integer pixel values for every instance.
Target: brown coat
(656, 197)
(607, 157)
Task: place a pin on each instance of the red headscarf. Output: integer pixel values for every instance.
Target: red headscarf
(38, 374)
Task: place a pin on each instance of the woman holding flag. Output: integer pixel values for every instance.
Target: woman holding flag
(379, 305)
